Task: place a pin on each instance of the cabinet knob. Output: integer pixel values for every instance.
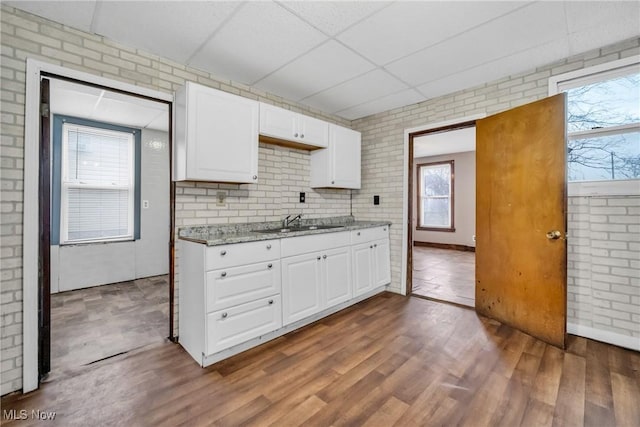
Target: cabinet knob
(295, 135)
(318, 258)
(224, 315)
(255, 177)
(270, 301)
(269, 246)
(302, 135)
(223, 253)
(269, 265)
(223, 274)
(324, 256)
(358, 233)
(384, 229)
(371, 247)
(375, 245)
(333, 182)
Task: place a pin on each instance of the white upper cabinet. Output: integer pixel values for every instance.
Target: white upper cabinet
(338, 166)
(216, 136)
(300, 130)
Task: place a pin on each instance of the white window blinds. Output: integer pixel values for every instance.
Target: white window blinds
(97, 185)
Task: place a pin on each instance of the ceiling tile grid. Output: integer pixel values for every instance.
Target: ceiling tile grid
(354, 58)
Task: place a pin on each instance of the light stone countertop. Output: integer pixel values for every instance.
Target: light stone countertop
(224, 234)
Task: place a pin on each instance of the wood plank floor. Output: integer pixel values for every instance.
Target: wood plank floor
(444, 274)
(388, 361)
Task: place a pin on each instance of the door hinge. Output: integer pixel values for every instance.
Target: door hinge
(44, 109)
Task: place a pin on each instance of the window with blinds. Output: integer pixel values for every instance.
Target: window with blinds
(97, 185)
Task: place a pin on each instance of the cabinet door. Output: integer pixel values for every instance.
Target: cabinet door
(313, 131)
(278, 122)
(336, 269)
(382, 262)
(235, 325)
(363, 274)
(222, 136)
(345, 157)
(301, 287)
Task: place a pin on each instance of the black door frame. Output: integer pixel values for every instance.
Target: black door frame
(44, 246)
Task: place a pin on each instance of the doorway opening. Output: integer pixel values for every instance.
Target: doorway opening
(108, 241)
(441, 243)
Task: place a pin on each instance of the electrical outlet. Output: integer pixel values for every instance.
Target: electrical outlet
(220, 198)
(302, 197)
(145, 204)
(376, 200)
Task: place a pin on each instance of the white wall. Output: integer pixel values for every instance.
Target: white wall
(464, 211)
(81, 266)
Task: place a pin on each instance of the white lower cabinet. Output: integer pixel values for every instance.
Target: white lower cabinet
(233, 297)
(313, 282)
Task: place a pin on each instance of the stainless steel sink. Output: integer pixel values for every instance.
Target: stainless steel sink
(303, 228)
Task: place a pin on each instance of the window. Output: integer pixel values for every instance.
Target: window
(603, 122)
(436, 196)
(96, 175)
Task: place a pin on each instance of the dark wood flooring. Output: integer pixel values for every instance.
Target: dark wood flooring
(444, 274)
(387, 361)
(91, 324)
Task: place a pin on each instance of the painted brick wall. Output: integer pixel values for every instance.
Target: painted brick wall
(604, 266)
(382, 158)
(283, 172)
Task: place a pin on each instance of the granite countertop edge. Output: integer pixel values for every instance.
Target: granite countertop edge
(215, 235)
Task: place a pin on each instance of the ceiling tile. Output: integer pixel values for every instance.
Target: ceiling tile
(260, 38)
(76, 14)
(332, 17)
(389, 102)
(406, 27)
(522, 29)
(321, 68)
(494, 70)
(595, 24)
(166, 28)
(370, 86)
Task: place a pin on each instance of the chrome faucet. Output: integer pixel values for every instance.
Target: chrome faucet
(287, 222)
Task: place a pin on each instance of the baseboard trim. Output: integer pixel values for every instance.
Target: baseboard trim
(445, 246)
(609, 337)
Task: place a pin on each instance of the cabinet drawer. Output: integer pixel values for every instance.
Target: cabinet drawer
(235, 325)
(224, 256)
(368, 234)
(318, 242)
(238, 285)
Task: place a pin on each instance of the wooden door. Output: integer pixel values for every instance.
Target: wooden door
(521, 251)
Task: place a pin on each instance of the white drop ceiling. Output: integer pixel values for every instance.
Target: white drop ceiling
(354, 58)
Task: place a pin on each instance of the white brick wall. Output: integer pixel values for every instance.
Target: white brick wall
(283, 172)
(604, 265)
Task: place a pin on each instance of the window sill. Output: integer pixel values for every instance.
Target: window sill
(97, 242)
(623, 187)
(448, 230)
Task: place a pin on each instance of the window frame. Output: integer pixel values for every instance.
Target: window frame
(582, 77)
(59, 220)
(451, 228)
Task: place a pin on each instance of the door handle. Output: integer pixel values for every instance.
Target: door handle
(554, 235)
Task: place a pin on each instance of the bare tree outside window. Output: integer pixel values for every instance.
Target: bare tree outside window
(604, 129)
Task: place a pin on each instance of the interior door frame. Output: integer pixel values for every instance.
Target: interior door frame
(37, 69)
(407, 189)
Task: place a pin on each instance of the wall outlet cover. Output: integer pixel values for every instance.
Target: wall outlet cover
(376, 200)
(220, 198)
(302, 197)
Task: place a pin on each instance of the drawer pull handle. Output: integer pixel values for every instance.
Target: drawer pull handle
(269, 246)
(302, 135)
(270, 301)
(223, 253)
(223, 274)
(269, 265)
(324, 256)
(224, 315)
(358, 233)
(295, 135)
